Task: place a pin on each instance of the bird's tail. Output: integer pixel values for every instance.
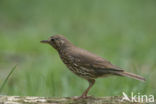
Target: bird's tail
(131, 75)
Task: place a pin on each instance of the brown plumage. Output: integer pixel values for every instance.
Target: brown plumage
(85, 64)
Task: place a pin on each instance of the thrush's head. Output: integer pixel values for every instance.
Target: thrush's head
(57, 41)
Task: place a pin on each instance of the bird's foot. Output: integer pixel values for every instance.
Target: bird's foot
(82, 97)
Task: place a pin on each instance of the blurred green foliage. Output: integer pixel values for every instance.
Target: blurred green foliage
(122, 31)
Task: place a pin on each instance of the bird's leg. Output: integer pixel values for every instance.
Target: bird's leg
(91, 83)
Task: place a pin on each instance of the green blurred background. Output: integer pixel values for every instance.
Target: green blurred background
(122, 31)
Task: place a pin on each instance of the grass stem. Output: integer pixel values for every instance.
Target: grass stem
(6, 79)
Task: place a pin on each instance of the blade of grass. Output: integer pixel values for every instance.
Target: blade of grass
(6, 79)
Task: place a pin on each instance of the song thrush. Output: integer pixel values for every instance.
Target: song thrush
(85, 64)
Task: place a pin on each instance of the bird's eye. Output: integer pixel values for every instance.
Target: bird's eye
(52, 40)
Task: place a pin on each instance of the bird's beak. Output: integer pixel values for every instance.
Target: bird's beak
(44, 41)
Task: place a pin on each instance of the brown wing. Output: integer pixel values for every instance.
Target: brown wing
(92, 61)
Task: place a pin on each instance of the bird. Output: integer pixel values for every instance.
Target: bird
(85, 64)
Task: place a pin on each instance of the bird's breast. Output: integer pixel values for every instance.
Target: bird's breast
(73, 64)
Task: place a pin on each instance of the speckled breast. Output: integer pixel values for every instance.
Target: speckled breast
(81, 71)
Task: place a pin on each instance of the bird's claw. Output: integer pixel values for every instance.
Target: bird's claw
(82, 97)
